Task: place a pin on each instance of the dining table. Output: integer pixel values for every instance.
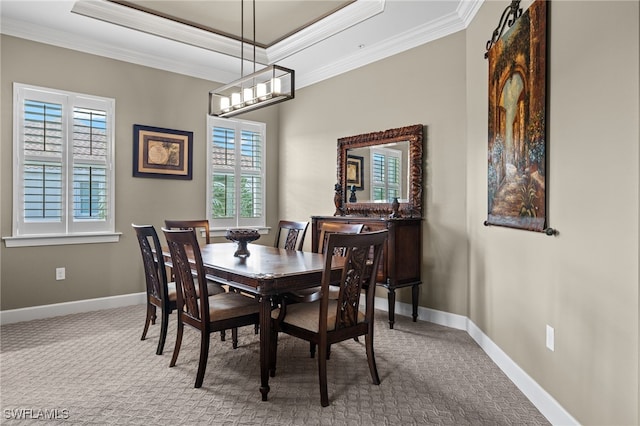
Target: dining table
(265, 273)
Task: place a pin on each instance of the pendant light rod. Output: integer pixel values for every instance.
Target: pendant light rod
(254, 36)
(241, 38)
(270, 85)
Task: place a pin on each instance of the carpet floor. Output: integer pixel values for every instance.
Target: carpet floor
(92, 368)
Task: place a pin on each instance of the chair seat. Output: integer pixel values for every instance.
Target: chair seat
(212, 288)
(305, 315)
(230, 305)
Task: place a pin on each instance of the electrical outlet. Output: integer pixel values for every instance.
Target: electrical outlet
(60, 274)
(550, 338)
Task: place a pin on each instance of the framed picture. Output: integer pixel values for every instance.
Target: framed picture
(162, 153)
(355, 172)
(517, 146)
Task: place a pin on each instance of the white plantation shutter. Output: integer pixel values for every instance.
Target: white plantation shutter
(235, 173)
(223, 161)
(90, 165)
(386, 172)
(393, 174)
(63, 150)
(42, 174)
(251, 168)
(378, 171)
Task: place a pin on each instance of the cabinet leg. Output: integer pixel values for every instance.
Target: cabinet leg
(392, 306)
(415, 292)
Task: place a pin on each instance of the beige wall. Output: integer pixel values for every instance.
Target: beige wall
(143, 96)
(510, 283)
(421, 86)
(584, 282)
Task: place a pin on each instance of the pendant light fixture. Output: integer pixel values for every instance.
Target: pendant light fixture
(271, 85)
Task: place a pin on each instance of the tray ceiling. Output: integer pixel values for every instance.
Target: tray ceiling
(201, 38)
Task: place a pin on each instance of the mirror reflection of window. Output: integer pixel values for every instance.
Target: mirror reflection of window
(386, 172)
(398, 175)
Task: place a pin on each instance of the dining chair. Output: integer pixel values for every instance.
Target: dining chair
(295, 233)
(207, 313)
(203, 226)
(322, 320)
(326, 229)
(329, 228)
(197, 225)
(160, 293)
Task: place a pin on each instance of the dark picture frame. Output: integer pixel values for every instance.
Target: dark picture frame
(355, 172)
(162, 153)
(517, 130)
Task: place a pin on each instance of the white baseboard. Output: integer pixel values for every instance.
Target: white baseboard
(548, 406)
(66, 308)
(545, 403)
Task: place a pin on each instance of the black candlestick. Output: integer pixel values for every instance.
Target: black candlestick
(352, 197)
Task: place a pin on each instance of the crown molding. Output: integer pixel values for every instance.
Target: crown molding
(196, 68)
(333, 24)
(142, 21)
(414, 37)
(467, 10)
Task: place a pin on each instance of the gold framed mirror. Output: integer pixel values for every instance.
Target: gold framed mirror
(376, 168)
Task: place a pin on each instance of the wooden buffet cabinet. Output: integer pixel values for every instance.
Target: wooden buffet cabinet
(402, 255)
(356, 202)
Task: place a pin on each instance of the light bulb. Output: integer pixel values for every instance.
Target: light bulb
(247, 94)
(261, 90)
(276, 86)
(236, 99)
(225, 103)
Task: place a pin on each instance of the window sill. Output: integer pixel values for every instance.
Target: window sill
(63, 239)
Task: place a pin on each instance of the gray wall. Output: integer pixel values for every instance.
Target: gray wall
(510, 283)
(143, 96)
(421, 86)
(584, 282)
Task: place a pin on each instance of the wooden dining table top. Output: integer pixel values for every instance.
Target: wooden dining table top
(267, 270)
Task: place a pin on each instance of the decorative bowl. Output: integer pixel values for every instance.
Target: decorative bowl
(242, 237)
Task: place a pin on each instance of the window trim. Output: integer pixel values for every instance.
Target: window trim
(61, 239)
(67, 231)
(221, 225)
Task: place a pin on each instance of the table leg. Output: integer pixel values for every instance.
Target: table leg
(392, 306)
(265, 333)
(415, 291)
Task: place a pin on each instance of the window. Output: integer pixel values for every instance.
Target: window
(386, 170)
(63, 171)
(235, 173)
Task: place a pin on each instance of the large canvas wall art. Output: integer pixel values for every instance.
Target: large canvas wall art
(517, 123)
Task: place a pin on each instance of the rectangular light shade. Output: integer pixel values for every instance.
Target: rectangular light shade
(268, 86)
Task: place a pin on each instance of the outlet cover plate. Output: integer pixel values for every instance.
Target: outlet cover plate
(550, 338)
(60, 274)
